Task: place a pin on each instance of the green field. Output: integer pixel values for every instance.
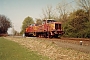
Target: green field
(10, 50)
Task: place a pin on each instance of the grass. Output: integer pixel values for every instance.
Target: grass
(10, 50)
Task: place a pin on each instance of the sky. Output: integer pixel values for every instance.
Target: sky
(18, 10)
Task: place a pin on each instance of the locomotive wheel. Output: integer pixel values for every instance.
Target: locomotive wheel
(56, 35)
(26, 34)
(45, 34)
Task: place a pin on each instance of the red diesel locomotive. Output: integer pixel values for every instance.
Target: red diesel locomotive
(49, 28)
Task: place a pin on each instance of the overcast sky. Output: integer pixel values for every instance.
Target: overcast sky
(18, 10)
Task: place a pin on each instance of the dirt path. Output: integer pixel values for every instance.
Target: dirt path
(50, 49)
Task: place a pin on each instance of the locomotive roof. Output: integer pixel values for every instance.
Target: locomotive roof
(49, 19)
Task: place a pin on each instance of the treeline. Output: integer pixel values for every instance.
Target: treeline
(78, 21)
(77, 25)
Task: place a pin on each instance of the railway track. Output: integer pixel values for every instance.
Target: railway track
(77, 39)
(85, 41)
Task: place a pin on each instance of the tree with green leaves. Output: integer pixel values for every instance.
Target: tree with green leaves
(27, 22)
(77, 25)
(38, 21)
(4, 24)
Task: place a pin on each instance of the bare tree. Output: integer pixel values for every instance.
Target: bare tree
(48, 12)
(64, 8)
(62, 11)
(85, 4)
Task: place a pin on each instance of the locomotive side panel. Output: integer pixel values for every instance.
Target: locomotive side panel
(51, 27)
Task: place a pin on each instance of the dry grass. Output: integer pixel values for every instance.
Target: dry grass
(48, 48)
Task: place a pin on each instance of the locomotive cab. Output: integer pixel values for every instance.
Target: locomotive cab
(48, 21)
(52, 28)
